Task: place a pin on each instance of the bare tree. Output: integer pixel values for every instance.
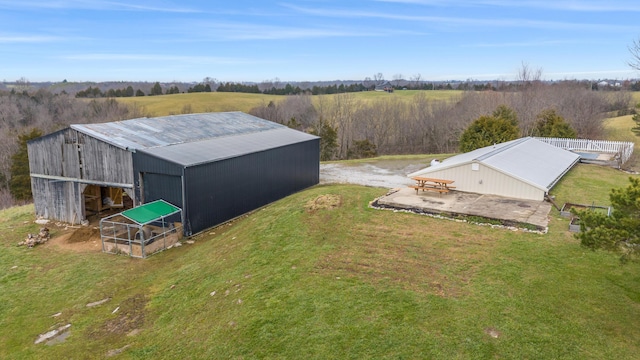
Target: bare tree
(634, 49)
(397, 80)
(210, 81)
(22, 84)
(378, 78)
(298, 111)
(265, 85)
(416, 79)
(368, 83)
(526, 75)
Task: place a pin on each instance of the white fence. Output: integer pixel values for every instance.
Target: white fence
(623, 149)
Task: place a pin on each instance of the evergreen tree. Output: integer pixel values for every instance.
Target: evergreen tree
(362, 149)
(550, 124)
(486, 131)
(156, 89)
(328, 140)
(129, 91)
(20, 182)
(619, 232)
(506, 113)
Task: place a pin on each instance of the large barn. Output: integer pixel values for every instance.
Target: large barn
(213, 166)
(525, 168)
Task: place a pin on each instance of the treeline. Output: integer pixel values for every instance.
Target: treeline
(156, 89)
(238, 87)
(342, 88)
(424, 125)
(95, 92)
(289, 89)
(26, 115)
(348, 126)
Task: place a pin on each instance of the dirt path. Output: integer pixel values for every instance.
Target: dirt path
(84, 239)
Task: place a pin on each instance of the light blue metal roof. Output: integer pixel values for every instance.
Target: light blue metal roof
(527, 159)
(145, 133)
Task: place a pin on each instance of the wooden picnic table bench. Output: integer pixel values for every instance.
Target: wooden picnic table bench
(441, 186)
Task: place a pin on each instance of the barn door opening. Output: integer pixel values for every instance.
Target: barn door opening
(100, 198)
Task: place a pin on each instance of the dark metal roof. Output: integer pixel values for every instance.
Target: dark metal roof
(194, 153)
(145, 133)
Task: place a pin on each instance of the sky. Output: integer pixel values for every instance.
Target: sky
(315, 40)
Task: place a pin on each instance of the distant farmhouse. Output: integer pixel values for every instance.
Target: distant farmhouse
(213, 166)
(384, 86)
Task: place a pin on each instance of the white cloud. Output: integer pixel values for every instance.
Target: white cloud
(218, 31)
(93, 5)
(583, 6)
(157, 57)
(16, 39)
(461, 21)
(525, 44)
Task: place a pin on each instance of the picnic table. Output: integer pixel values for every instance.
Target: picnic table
(430, 184)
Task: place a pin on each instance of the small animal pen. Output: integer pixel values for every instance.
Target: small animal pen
(143, 230)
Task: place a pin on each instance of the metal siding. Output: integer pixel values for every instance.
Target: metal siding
(493, 182)
(162, 186)
(143, 162)
(527, 159)
(219, 191)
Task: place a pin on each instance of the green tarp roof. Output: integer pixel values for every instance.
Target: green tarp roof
(149, 212)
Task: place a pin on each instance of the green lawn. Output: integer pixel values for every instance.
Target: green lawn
(344, 282)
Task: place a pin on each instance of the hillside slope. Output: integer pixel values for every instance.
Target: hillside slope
(321, 275)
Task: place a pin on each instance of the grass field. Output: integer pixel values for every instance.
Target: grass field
(619, 129)
(198, 102)
(222, 101)
(294, 281)
(303, 278)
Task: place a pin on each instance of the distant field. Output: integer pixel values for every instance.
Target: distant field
(407, 94)
(223, 101)
(198, 102)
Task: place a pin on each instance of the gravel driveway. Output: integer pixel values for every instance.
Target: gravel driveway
(382, 173)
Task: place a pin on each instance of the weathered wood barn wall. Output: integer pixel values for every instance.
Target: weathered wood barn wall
(64, 163)
(213, 166)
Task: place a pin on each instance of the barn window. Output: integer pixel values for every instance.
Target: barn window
(475, 166)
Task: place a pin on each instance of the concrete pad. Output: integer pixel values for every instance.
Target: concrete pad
(463, 203)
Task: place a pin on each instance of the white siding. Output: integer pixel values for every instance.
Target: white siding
(486, 180)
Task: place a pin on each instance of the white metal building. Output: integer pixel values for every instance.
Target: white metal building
(525, 168)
